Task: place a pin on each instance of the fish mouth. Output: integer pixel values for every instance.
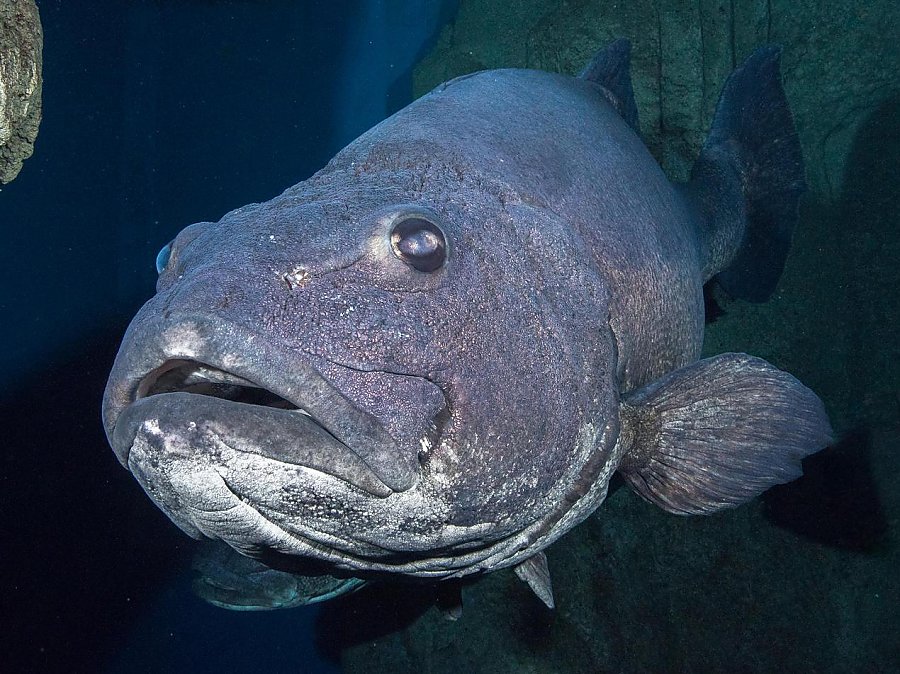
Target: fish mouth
(191, 386)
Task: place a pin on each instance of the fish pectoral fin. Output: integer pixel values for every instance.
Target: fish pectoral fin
(747, 182)
(718, 432)
(535, 573)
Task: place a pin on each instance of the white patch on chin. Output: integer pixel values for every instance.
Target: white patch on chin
(151, 427)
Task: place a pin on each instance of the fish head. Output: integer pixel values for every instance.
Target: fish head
(375, 374)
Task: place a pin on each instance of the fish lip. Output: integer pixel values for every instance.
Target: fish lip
(207, 424)
(153, 344)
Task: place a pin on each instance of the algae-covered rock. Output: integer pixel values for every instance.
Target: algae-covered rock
(21, 41)
(840, 61)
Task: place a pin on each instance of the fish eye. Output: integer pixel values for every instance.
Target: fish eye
(163, 257)
(419, 243)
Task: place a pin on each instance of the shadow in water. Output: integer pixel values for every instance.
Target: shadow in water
(712, 302)
(375, 611)
(835, 502)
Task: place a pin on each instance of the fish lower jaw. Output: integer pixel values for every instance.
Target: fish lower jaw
(203, 504)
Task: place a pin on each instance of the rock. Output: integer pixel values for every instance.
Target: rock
(21, 41)
(682, 52)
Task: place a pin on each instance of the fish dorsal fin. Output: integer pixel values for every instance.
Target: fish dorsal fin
(534, 571)
(610, 69)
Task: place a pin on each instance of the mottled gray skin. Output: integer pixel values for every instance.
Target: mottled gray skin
(574, 275)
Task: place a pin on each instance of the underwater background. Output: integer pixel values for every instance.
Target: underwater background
(161, 113)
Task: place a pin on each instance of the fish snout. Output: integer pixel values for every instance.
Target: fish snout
(189, 375)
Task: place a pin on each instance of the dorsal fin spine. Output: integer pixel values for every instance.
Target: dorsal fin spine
(610, 69)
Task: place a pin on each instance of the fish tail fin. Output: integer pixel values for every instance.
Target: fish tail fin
(748, 179)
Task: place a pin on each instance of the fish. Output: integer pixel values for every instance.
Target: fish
(429, 359)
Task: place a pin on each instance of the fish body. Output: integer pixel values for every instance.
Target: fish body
(429, 358)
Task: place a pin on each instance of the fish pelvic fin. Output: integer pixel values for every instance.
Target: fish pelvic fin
(536, 574)
(747, 182)
(227, 579)
(719, 432)
(610, 69)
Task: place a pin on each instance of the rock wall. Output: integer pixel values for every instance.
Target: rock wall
(840, 61)
(21, 41)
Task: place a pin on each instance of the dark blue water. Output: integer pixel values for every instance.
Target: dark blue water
(156, 115)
